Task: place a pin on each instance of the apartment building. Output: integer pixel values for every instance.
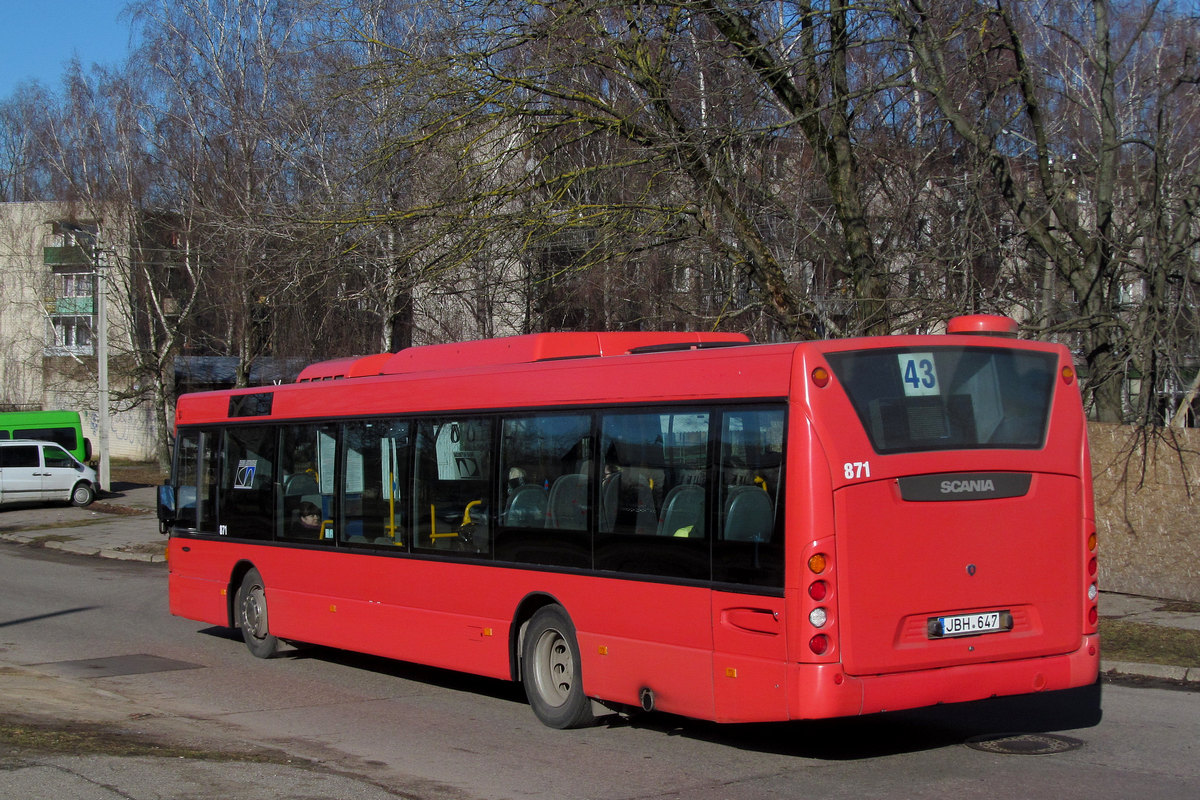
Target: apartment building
(55, 264)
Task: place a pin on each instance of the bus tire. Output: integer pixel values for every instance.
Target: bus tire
(83, 494)
(252, 616)
(551, 672)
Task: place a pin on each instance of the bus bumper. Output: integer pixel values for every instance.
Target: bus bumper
(822, 691)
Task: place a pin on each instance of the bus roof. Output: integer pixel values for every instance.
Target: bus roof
(38, 417)
(514, 350)
(556, 369)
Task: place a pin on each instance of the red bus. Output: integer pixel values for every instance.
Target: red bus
(683, 522)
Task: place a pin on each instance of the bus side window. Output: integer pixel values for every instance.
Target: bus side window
(304, 508)
(195, 479)
(452, 494)
(247, 487)
(653, 493)
(749, 546)
(545, 486)
(375, 484)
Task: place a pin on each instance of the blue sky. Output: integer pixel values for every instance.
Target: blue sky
(38, 38)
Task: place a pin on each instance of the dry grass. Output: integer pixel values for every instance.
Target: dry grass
(133, 472)
(1140, 642)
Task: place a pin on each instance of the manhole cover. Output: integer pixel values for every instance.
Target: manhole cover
(136, 664)
(1025, 744)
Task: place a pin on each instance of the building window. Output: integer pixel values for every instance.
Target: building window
(70, 335)
(75, 284)
(70, 306)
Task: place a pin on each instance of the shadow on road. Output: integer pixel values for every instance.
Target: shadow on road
(898, 732)
(845, 739)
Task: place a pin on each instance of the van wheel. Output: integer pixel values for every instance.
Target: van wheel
(83, 494)
(252, 616)
(551, 671)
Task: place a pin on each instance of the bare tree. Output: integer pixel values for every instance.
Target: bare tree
(1045, 95)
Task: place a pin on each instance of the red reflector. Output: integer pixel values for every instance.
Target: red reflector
(1093, 615)
(819, 644)
(818, 590)
(1092, 567)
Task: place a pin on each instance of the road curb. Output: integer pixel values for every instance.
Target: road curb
(77, 547)
(1189, 675)
(125, 555)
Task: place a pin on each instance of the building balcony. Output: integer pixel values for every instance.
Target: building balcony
(70, 305)
(69, 256)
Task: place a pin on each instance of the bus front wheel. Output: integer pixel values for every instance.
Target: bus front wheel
(551, 673)
(252, 616)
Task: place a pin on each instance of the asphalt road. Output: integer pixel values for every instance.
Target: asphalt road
(89, 642)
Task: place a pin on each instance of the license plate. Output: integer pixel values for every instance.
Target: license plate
(969, 624)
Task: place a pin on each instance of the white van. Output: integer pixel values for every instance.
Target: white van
(36, 471)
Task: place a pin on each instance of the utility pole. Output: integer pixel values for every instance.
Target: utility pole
(102, 367)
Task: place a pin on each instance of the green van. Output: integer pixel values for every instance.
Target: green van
(60, 427)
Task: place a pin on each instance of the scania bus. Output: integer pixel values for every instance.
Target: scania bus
(685, 522)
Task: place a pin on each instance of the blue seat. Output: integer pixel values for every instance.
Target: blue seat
(526, 507)
(568, 502)
(683, 512)
(749, 515)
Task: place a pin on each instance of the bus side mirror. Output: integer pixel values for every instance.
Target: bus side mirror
(166, 507)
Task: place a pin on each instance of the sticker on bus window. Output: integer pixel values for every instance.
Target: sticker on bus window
(245, 473)
(918, 374)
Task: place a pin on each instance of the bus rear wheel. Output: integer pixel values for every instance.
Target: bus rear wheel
(252, 616)
(551, 673)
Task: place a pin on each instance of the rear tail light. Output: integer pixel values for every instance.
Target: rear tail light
(1093, 567)
(821, 616)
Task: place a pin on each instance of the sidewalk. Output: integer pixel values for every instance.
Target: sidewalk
(121, 524)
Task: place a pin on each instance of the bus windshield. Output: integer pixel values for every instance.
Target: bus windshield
(948, 398)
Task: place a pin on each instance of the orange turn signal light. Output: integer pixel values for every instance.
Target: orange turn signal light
(816, 563)
(820, 376)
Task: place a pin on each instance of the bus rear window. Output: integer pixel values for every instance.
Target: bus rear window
(948, 398)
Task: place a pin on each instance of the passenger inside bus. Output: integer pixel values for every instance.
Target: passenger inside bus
(308, 521)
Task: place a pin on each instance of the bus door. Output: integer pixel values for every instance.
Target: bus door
(749, 645)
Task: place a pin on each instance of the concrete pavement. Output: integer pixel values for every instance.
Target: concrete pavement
(120, 524)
